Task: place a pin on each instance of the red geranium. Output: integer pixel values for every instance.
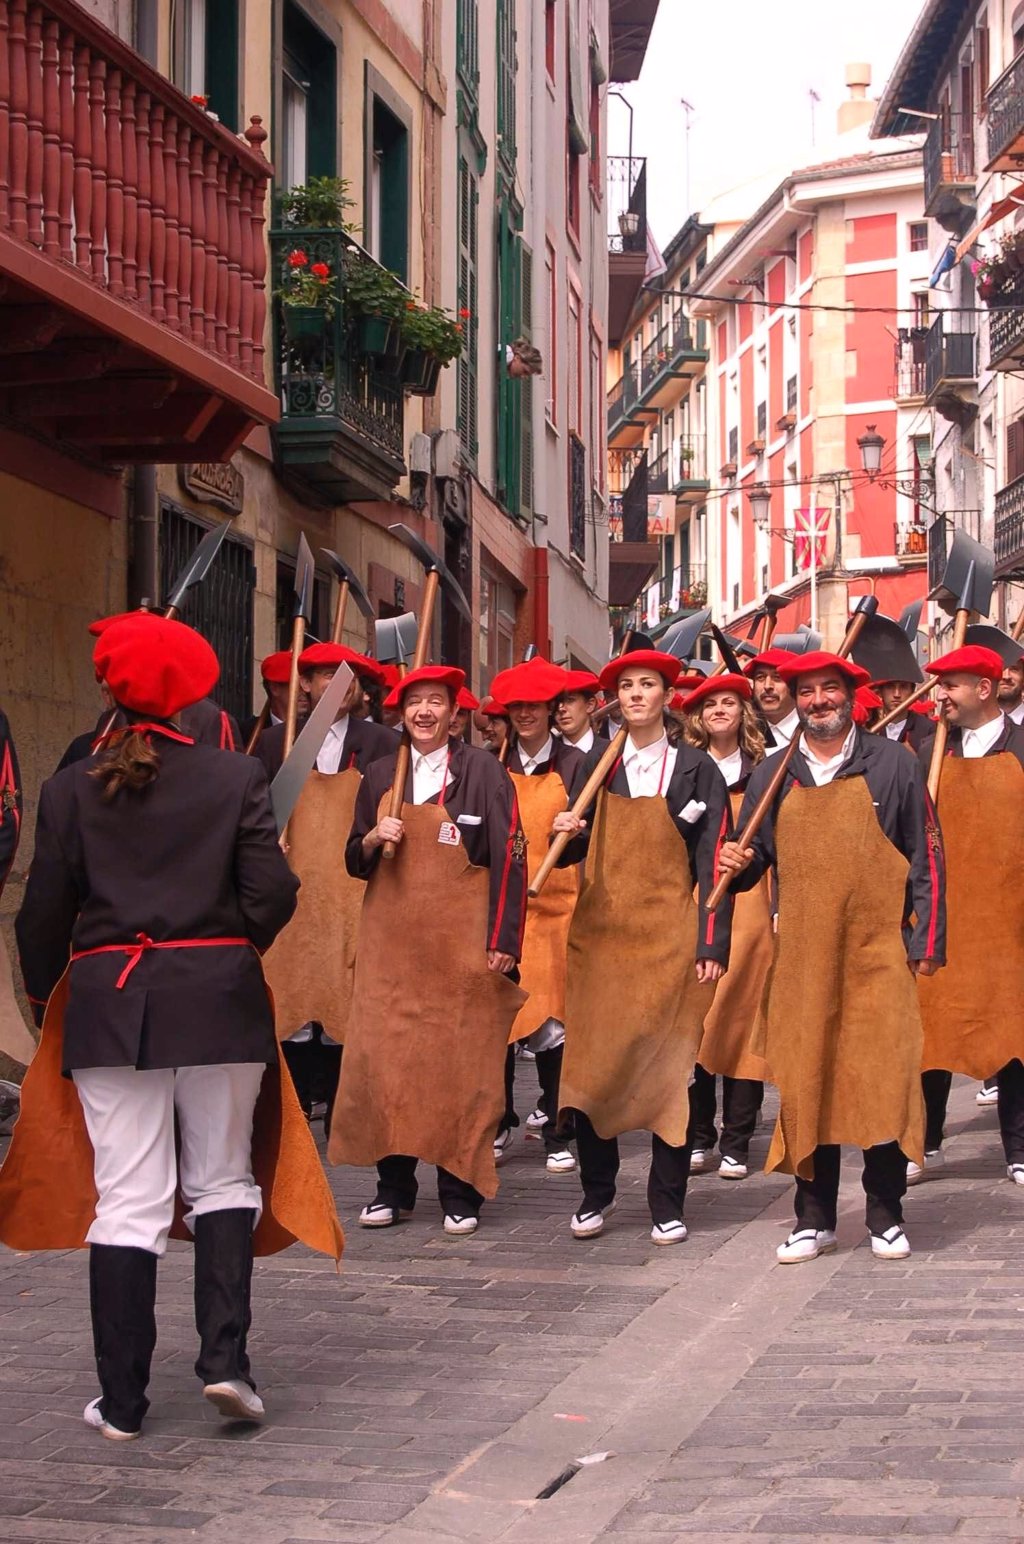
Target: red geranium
(297, 259)
(321, 270)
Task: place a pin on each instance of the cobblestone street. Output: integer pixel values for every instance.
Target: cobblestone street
(435, 1387)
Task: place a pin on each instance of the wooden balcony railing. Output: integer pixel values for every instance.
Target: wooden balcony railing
(106, 168)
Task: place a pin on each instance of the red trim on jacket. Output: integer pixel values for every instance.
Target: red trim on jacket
(931, 825)
(8, 784)
(227, 739)
(503, 892)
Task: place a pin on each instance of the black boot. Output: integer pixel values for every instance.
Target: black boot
(223, 1283)
(122, 1297)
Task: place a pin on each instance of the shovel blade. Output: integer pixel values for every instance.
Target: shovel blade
(885, 652)
(681, 640)
(395, 639)
(966, 583)
(803, 642)
(987, 637)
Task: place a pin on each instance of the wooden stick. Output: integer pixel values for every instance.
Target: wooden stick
(770, 794)
(921, 690)
(942, 727)
(587, 795)
(339, 614)
(419, 658)
(258, 728)
(292, 715)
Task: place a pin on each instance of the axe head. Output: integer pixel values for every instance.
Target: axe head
(304, 571)
(395, 639)
(433, 564)
(345, 575)
(1009, 650)
(726, 650)
(910, 619)
(681, 640)
(803, 642)
(885, 652)
(966, 583)
(197, 567)
(530, 652)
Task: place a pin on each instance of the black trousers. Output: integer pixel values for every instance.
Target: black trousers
(315, 1066)
(599, 1168)
(398, 1186)
(557, 1133)
(935, 1086)
(884, 1180)
(1010, 1082)
(741, 1105)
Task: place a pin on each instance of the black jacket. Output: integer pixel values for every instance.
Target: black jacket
(194, 855)
(10, 799)
(916, 729)
(905, 814)
(564, 759)
(1010, 742)
(481, 789)
(204, 721)
(365, 741)
(694, 777)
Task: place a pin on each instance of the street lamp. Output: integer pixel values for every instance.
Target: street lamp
(629, 223)
(760, 496)
(871, 445)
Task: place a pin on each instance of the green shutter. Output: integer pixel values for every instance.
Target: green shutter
(467, 58)
(506, 29)
(222, 61)
(526, 384)
(468, 222)
(509, 395)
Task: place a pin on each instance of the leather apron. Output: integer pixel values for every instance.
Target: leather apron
(971, 1008)
(842, 1030)
(311, 964)
(634, 1007)
(15, 1039)
(548, 915)
(725, 1046)
(424, 1065)
(47, 1193)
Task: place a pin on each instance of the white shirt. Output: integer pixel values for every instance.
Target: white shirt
(274, 718)
(585, 742)
(1017, 713)
(894, 730)
(785, 729)
(731, 766)
(329, 755)
(428, 774)
(978, 742)
(648, 769)
(531, 763)
(824, 771)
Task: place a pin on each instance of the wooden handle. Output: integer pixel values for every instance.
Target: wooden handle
(1018, 627)
(292, 715)
(258, 728)
(586, 798)
(942, 727)
(339, 615)
(419, 658)
(767, 632)
(504, 750)
(919, 691)
(767, 799)
(172, 613)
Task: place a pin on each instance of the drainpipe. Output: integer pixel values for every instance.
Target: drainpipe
(144, 571)
(539, 586)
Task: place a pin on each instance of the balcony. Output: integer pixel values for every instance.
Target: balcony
(673, 596)
(132, 298)
(340, 436)
(949, 372)
(949, 165)
(1006, 327)
(1004, 114)
(678, 353)
(627, 415)
(940, 539)
(908, 381)
(1008, 543)
(911, 540)
(626, 186)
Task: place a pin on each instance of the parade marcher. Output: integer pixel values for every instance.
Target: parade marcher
(157, 869)
(542, 768)
(441, 928)
(574, 713)
(1010, 691)
(311, 967)
(465, 705)
(15, 1040)
(275, 674)
(650, 836)
(491, 722)
(971, 1011)
(720, 720)
(915, 726)
(854, 842)
(772, 697)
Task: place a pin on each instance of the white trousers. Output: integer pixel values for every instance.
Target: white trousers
(130, 1119)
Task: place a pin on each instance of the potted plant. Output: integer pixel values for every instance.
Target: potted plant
(686, 452)
(433, 339)
(318, 204)
(308, 296)
(376, 300)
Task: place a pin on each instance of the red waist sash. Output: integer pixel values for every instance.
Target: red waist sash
(143, 943)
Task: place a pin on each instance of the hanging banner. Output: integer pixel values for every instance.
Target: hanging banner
(806, 523)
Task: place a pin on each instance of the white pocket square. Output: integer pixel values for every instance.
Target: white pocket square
(692, 812)
(472, 820)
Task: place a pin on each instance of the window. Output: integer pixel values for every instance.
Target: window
(309, 128)
(597, 415)
(981, 60)
(734, 445)
(762, 420)
(206, 46)
(791, 394)
(922, 308)
(551, 280)
(550, 7)
(1014, 451)
(387, 177)
(508, 403)
(497, 626)
(595, 172)
(572, 191)
(467, 60)
(574, 416)
(506, 83)
(220, 609)
(919, 236)
(468, 222)
(921, 459)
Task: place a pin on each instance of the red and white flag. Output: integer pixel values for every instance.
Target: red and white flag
(804, 521)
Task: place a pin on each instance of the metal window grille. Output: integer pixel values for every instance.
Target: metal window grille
(221, 607)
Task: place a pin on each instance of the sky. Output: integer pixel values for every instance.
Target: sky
(747, 68)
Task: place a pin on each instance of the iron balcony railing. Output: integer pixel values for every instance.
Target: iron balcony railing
(1006, 324)
(577, 498)
(949, 155)
(940, 537)
(626, 188)
(1004, 110)
(909, 374)
(622, 397)
(949, 356)
(685, 589)
(1008, 542)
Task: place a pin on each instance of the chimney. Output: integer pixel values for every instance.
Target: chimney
(857, 109)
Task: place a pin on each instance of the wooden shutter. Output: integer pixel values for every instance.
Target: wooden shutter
(526, 384)
(1015, 450)
(981, 59)
(468, 223)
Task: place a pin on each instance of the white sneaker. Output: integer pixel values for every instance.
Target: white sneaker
(915, 1172)
(588, 1224)
(235, 1400)
(1015, 1171)
(698, 1160)
(673, 1232)
(988, 1094)
(806, 1244)
(537, 1121)
(460, 1226)
(502, 1144)
(731, 1168)
(893, 1244)
(379, 1215)
(561, 1163)
(92, 1417)
(932, 1161)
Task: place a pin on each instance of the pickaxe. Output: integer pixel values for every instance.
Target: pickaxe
(766, 617)
(437, 574)
(300, 617)
(349, 583)
(966, 586)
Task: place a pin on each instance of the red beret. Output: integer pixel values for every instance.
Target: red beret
(466, 700)
(665, 665)
(443, 675)
(324, 655)
(771, 659)
(688, 682)
(865, 702)
(277, 668)
(390, 675)
(102, 623)
(737, 684)
(536, 681)
(972, 659)
(797, 665)
(491, 709)
(156, 668)
(584, 681)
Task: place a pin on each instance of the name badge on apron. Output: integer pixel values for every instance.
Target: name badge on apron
(449, 834)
